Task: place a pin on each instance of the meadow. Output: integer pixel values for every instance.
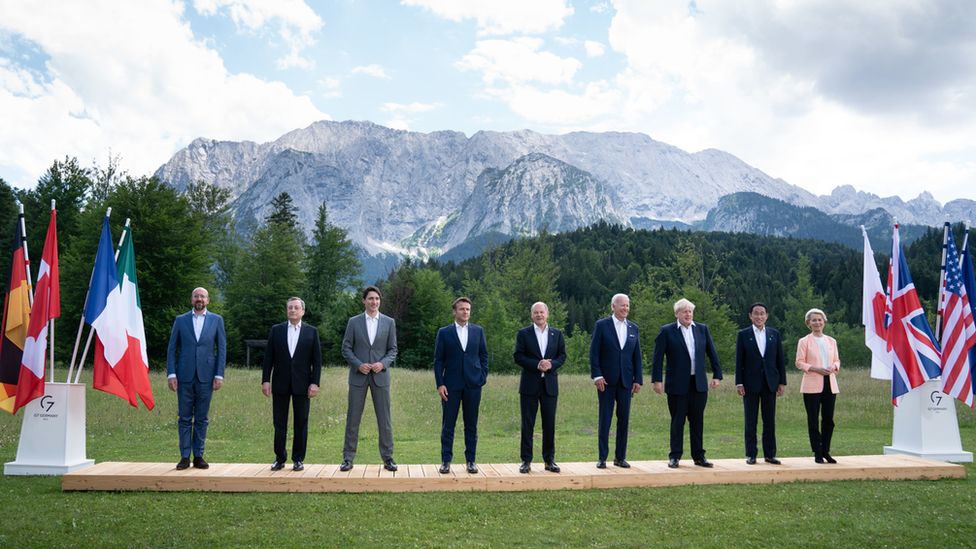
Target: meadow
(807, 514)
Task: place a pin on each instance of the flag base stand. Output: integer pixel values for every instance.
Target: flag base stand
(925, 425)
(52, 435)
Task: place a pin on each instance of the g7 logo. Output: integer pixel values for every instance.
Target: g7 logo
(936, 397)
(47, 402)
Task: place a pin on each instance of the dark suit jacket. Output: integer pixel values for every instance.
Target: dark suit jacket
(624, 366)
(292, 374)
(671, 344)
(188, 358)
(751, 367)
(456, 368)
(527, 355)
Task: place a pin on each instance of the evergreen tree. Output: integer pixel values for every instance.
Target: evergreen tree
(265, 276)
(67, 183)
(420, 302)
(283, 211)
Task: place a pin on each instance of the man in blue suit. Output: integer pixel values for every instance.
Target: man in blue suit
(460, 370)
(760, 377)
(617, 370)
(195, 361)
(685, 344)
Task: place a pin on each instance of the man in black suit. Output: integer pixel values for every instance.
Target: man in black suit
(617, 370)
(685, 344)
(760, 377)
(540, 350)
(292, 368)
(460, 371)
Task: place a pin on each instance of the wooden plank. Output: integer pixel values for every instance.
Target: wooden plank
(249, 477)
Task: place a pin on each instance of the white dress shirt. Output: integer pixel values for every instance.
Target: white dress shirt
(198, 320)
(621, 327)
(760, 334)
(542, 337)
(372, 322)
(294, 330)
(688, 333)
(462, 333)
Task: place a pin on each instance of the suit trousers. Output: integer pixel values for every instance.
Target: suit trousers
(689, 407)
(764, 400)
(193, 408)
(530, 405)
(467, 400)
(820, 405)
(354, 416)
(621, 397)
(300, 406)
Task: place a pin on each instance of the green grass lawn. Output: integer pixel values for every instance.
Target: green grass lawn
(851, 513)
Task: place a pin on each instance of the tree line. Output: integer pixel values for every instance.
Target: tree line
(189, 239)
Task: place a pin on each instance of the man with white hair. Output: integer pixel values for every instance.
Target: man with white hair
(685, 343)
(617, 371)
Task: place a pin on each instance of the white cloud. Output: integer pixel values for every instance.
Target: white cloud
(593, 48)
(296, 23)
(403, 113)
(331, 87)
(518, 60)
(129, 77)
(374, 70)
(495, 17)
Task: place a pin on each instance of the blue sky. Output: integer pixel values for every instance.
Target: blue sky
(878, 95)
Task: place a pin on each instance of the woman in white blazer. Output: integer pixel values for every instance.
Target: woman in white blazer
(816, 355)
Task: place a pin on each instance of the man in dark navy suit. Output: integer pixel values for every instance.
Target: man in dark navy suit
(685, 344)
(292, 369)
(460, 370)
(617, 372)
(540, 350)
(760, 377)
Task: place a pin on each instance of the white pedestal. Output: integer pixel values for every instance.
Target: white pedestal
(925, 425)
(52, 435)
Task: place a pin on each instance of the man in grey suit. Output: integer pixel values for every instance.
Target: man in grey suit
(369, 347)
(195, 361)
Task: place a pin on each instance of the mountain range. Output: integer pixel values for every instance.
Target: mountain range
(425, 194)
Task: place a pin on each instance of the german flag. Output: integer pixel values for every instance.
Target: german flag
(16, 319)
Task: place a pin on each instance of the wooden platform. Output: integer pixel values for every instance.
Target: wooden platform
(500, 477)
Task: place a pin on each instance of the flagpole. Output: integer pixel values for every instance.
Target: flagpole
(940, 305)
(50, 325)
(91, 333)
(23, 244)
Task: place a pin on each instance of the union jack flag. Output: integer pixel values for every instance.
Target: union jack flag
(958, 332)
(914, 351)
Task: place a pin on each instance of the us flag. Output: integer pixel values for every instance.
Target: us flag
(958, 331)
(914, 351)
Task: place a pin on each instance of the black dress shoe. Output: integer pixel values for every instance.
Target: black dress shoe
(525, 467)
(277, 465)
(389, 464)
(773, 461)
(703, 463)
(602, 464)
(199, 463)
(552, 467)
(472, 468)
(445, 468)
(346, 465)
(829, 459)
(752, 461)
(622, 463)
(673, 463)
(183, 464)
(818, 459)
(298, 466)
